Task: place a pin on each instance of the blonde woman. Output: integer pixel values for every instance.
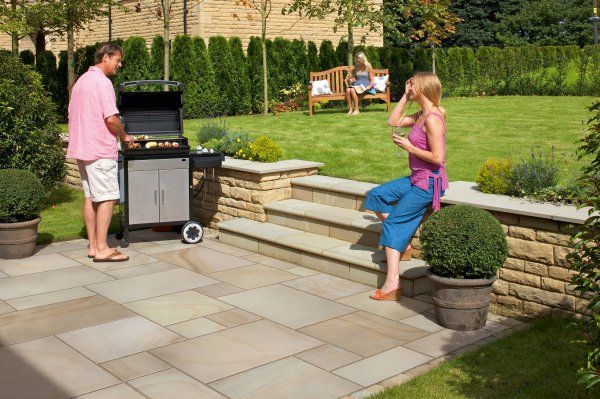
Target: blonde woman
(360, 82)
(400, 204)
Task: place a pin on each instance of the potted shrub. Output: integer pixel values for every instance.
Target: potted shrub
(464, 247)
(22, 197)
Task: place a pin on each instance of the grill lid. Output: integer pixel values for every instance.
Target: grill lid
(152, 113)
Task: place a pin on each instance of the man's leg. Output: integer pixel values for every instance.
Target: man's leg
(104, 211)
(89, 217)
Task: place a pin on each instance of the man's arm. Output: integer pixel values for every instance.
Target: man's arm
(114, 125)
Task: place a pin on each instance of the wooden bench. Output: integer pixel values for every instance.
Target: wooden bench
(337, 83)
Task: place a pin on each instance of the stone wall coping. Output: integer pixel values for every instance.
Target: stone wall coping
(467, 193)
(244, 165)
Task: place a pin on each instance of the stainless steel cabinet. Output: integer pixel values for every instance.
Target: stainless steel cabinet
(158, 195)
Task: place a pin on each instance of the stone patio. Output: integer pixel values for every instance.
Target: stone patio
(207, 321)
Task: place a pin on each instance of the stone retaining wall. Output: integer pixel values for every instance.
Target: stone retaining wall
(535, 278)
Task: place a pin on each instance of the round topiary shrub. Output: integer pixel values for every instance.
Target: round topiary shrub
(22, 196)
(265, 149)
(29, 134)
(495, 176)
(463, 242)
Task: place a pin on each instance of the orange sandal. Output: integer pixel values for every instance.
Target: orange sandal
(394, 295)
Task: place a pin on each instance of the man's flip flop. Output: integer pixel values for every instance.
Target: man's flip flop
(111, 258)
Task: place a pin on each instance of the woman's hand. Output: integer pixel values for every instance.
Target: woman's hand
(402, 142)
(408, 87)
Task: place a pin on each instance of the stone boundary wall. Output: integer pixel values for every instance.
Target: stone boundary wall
(535, 278)
(205, 19)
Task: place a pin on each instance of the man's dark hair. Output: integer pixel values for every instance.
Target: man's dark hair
(109, 49)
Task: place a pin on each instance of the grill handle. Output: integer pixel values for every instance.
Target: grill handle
(162, 192)
(138, 83)
(155, 198)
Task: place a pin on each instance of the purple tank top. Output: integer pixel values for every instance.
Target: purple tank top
(422, 170)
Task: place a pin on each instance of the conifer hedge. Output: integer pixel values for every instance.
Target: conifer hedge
(222, 62)
(327, 55)
(137, 60)
(240, 77)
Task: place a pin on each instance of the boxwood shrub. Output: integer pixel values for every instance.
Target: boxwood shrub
(22, 196)
(463, 242)
(29, 134)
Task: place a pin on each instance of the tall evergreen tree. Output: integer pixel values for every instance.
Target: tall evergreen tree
(300, 61)
(135, 64)
(255, 73)
(327, 55)
(314, 64)
(341, 53)
(222, 61)
(157, 58)
(208, 100)
(241, 80)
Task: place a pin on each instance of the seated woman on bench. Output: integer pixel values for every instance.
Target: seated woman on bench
(401, 203)
(359, 82)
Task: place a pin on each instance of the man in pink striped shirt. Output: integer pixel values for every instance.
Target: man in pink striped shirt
(94, 125)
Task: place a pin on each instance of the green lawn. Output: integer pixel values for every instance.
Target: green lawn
(540, 362)
(358, 147)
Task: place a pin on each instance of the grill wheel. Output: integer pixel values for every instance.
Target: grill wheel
(192, 232)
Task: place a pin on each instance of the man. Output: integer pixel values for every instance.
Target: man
(94, 125)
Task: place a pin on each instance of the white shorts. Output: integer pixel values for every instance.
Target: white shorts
(99, 179)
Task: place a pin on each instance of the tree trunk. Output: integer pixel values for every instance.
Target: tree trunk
(70, 58)
(40, 42)
(263, 16)
(14, 35)
(350, 34)
(167, 35)
(432, 58)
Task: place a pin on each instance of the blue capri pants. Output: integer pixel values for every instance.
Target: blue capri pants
(406, 204)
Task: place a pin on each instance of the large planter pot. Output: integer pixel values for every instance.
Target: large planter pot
(17, 240)
(461, 304)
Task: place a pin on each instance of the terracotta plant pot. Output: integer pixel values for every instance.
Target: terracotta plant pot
(461, 304)
(17, 240)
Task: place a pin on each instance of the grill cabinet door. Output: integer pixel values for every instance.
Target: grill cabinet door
(174, 195)
(143, 196)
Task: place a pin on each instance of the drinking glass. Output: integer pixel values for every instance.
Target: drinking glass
(398, 131)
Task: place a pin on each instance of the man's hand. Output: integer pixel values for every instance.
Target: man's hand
(127, 139)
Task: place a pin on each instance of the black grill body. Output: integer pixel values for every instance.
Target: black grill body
(156, 183)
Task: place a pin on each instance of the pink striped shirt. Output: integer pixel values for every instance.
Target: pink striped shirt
(92, 101)
(422, 170)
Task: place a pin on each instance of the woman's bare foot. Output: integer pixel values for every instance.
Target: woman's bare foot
(356, 112)
(350, 112)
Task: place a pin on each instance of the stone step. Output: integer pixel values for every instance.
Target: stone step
(357, 227)
(326, 190)
(329, 255)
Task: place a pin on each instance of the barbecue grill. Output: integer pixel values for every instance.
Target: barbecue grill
(155, 173)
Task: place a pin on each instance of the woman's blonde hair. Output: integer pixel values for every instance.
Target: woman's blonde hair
(365, 60)
(429, 85)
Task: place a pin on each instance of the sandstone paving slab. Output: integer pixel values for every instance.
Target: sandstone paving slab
(120, 391)
(353, 187)
(5, 308)
(221, 247)
(227, 352)
(302, 271)
(424, 321)
(36, 264)
(286, 378)
(139, 270)
(363, 333)
(2, 275)
(134, 366)
(217, 290)
(52, 319)
(233, 318)
(278, 264)
(290, 206)
(446, 341)
(39, 283)
(48, 368)
(406, 307)
(327, 286)
(170, 384)
(333, 214)
(165, 246)
(253, 276)
(119, 338)
(287, 306)
(177, 307)
(319, 181)
(310, 242)
(384, 365)
(203, 260)
(151, 285)
(135, 258)
(48, 298)
(265, 231)
(76, 253)
(328, 357)
(59, 247)
(196, 327)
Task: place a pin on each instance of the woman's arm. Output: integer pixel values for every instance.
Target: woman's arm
(371, 78)
(397, 118)
(435, 137)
